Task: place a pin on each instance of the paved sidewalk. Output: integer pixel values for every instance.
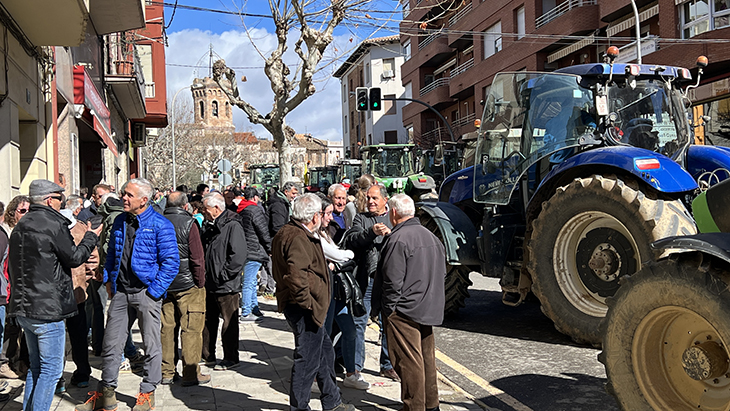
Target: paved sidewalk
(260, 382)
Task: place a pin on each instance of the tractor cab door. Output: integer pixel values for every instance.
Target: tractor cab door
(527, 117)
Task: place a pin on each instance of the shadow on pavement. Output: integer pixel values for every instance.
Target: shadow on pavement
(551, 393)
(485, 313)
(199, 398)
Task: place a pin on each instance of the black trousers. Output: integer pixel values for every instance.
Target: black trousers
(77, 333)
(226, 307)
(314, 357)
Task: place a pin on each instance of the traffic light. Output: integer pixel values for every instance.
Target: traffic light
(375, 102)
(362, 98)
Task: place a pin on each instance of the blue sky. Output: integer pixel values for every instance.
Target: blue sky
(191, 32)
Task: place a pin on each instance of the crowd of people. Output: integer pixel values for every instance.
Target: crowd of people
(188, 265)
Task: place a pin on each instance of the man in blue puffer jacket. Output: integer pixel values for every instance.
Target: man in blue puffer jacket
(142, 260)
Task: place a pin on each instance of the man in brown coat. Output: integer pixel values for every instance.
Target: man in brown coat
(303, 295)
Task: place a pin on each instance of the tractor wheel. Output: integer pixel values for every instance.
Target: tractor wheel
(590, 233)
(666, 338)
(457, 276)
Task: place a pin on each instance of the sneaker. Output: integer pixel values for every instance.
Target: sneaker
(4, 397)
(257, 312)
(125, 366)
(249, 318)
(60, 388)
(6, 372)
(356, 381)
(390, 373)
(145, 401)
(138, 357)
(225, 365)
(79, 383)
(343, 407)
(269, 296)
(202, 379)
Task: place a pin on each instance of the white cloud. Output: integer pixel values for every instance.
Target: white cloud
(319, 115)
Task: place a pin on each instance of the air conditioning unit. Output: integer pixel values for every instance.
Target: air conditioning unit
(139, 134)
(388, 73)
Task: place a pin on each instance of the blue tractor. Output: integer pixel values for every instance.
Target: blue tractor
(576, 173)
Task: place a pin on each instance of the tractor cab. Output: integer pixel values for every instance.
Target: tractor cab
(543, 119)
(349, 170)
(395, 166)
(264, 177)
(320, 178)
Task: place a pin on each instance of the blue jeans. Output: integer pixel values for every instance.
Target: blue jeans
(46, 340)
(361, 323)
(338, 312)
(248, 293)
(3, 309)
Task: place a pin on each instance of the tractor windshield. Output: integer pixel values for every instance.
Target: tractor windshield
(649, 116)
(395, 162)
(265, 176)
(528, 116)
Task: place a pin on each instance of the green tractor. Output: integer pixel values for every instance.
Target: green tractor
(321, 178)
(395, 166)
(264, 177)
(350, 169)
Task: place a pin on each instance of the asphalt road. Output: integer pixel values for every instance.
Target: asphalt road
(519, 360)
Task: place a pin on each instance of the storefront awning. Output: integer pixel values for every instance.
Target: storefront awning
(86, 95)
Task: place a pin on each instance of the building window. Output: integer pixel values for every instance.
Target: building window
(367, 73)
(409, 133)
(520, 20)
(228, 109)
(215, 109)
(389, 105)
(202, 110)
(407, 50)
(346, 124)
(352, 120)
(388, 68)
(493, 40)
(391, 137)
(700, 16)
(344, 92)
(409, 90)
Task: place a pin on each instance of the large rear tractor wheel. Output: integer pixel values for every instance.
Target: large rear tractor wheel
(457, 276)
(591, 233)
(666, 338)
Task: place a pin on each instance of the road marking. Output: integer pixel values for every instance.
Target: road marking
(481, 382)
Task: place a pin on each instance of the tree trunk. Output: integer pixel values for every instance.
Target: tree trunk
(282, 138)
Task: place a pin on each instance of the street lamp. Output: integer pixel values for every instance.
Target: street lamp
(172, 114)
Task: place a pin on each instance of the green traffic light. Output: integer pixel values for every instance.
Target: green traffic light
(375, 104)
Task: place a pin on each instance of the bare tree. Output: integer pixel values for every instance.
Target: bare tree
(290, 88)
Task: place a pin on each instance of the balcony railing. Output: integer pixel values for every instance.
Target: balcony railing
(441, 82)
(149, 90)
(436, 134)
(461, 13)
(466, 120)
(561, 9)
(429, 39)
(461, 68)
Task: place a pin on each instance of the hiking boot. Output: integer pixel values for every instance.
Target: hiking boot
(6, 372)
(202, 379)
(105, 400)
(145, 401)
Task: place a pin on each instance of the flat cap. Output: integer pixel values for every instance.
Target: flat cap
(42, 187)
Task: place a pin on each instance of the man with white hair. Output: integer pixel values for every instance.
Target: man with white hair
(338, 195)
(303, 294)
(142, 260)
(409, 292)
(225, 247)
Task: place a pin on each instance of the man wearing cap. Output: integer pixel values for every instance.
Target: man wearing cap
(41, 256)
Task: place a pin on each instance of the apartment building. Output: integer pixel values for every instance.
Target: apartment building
(375, 62)
(73, 105)
(454, 49)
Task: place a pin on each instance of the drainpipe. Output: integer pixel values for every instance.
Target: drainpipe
(54, 115)
(638, 32)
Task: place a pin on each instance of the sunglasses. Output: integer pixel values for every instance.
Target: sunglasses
(59, 198)
(21, 210)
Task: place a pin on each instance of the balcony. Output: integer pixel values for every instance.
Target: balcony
(124, 75)
(438, 134)
(149, 90)
(561, 9)
(459, 15)
(430, 39)
(113, 16)
(464, 121)
(441, 82)
(463, 67)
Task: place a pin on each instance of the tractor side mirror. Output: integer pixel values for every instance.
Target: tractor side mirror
(438, 156)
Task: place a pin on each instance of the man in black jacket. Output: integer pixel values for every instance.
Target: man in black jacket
(259, 249)
(184, 307)
(409, 292)
(280, 207)
(225, 257)
(41, 256)
(366, 238)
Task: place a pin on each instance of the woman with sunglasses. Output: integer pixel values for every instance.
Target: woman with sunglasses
(16, 209)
